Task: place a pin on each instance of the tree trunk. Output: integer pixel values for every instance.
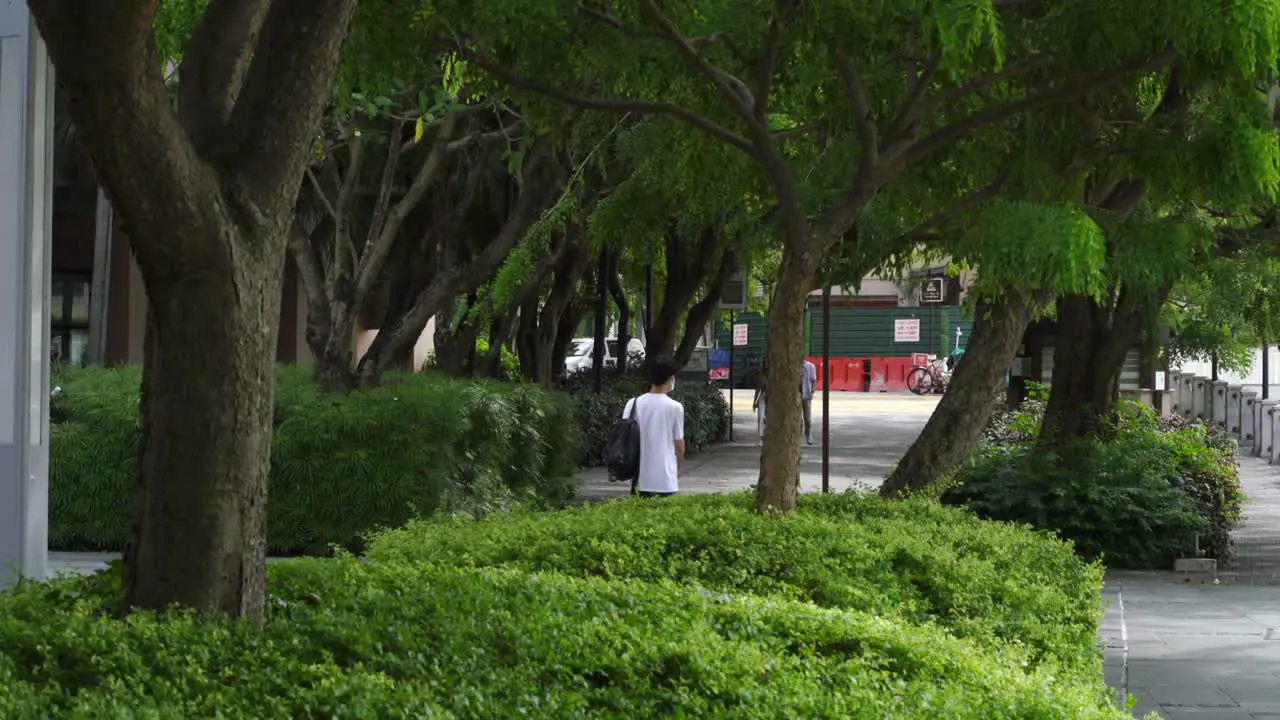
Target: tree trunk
(624, 316)
(784, 349)
(956, 424)
(206, 408)
(206, 195)
(700, 314)
(1090, 346)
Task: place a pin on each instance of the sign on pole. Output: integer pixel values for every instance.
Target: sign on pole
(740, 334)
(906, 330)
(933, 291)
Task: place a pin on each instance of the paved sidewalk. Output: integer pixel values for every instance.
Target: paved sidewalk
(1188, 649)
(869, 433)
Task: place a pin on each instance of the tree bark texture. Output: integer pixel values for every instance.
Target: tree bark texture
(695, 269)
(543, 320)
(542, 180)
(1090, 346)
(784, 353)
(206, 194)
(957, 422)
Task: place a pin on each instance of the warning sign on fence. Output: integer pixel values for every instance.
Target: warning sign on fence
(740, 334)
(919, 359)
(906, 330)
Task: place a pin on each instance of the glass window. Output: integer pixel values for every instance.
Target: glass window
(79, 292)
(69, 319)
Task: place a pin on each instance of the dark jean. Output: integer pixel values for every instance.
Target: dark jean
(647, 494)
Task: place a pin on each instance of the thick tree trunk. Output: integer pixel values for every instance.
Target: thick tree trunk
(956, 424)
(206, 407)
(784, 340)
(206, 195)
(1090, 346)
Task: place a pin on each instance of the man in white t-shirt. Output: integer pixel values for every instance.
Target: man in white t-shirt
(661, 422)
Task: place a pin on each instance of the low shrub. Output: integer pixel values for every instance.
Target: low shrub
(345, 639)
(706, 412)
(341, 464)
(1136, 496)
(914, 559)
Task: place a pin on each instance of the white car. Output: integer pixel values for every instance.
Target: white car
(581, 355)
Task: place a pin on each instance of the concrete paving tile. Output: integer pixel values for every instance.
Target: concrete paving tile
(1191, 694)
(1206, 714)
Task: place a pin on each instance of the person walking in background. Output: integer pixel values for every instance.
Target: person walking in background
(661, 422)
(808, 381)
(757, 403)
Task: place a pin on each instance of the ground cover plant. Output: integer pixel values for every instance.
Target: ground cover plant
(1137, 494)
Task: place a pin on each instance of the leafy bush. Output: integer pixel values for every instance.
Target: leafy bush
(914, 559)
(341, 464)
(345, 639)
(706, 412)
(1136, 496)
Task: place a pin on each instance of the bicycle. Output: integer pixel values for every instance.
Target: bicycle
(929, 379)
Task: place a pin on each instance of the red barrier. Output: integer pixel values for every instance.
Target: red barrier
(896, 372)
(854, 380)
(887, 374)
(822, 375)
(879, 373)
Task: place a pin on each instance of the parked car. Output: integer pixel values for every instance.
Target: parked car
(581, 354)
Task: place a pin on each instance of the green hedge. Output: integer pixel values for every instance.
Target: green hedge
(917, 560)
(341, 464)
(349, 640)
(706, 412)
(1134, 496)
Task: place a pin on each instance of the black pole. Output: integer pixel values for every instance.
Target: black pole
(1213, 367)
(1266, 372)
(931, 309)
(602, 309)
(733, 410)
(826, 388)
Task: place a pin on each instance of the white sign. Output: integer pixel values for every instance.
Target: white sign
(740, 334)
(906, 331)
(1161, 383)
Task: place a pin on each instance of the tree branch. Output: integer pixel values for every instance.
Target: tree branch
(285, 91)
(213, 67)
(319, 191)
(913, 108)
(381, 244)
(637, 107)
(452, 280)
(731, 88)
(769, 61)
(953, 212)
(960, 128)
(389, 167)
(868, 134)
(1008, 72)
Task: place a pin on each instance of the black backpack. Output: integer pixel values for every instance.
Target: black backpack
(622, 454)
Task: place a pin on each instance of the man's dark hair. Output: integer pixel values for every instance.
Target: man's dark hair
(661, 370)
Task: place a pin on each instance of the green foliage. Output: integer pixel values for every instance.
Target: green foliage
(509, 364)
(706, 412)
(1225, 312)
(995, 584)
(1036, 247)
(350, 640)
(1135, 496)
(341, 464)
